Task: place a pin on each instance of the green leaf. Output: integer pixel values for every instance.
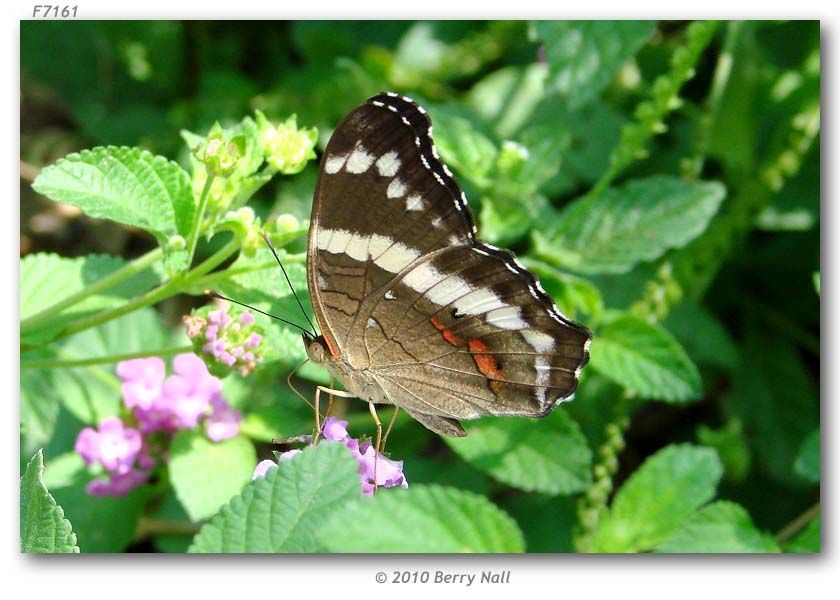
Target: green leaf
(547, 522)
(645, 359)
(284, 511)
(594, 130)
(127, 185)
(639, 221)
(775, 398)
(508, 96)
(102, 524)
(807, 541)
(584, 56)
(658, 498)
(573, 295)
(514, 451)
(719, 527)
(715, 347)
(46, 279)
(92, 392)
(39, 407)
(206, 474)
(43, 528)
(731, 445)
(421, 519)
(808, 460)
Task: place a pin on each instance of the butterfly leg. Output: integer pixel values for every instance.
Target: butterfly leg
(331, 392)
(376, 420)
(390, 425)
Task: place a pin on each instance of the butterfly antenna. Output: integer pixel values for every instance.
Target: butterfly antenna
(262, 312)
(289, 281)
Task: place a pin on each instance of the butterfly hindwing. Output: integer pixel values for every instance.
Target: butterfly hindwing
(463, 322)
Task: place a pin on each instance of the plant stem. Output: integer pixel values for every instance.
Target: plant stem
(209, 280)
(199, 218)
(150, 527)
(799, 523)
(118, 276)
(170, 288)
(99, 360)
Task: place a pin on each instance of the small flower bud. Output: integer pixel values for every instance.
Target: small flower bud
(177, 242)
(287, 223)
(286, 148)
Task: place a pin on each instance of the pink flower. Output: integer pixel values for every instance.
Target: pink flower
(389, 473)
(263, 467)
(142, 381)
(113, 445)
(188, 392)
(118, 484)
(223, 422)
(228, 344)
(334, 429)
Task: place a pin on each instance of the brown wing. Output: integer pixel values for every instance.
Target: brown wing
(380, 181)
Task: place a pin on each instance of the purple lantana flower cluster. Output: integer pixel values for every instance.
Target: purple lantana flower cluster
(157, 406)
(227, 343)
(388, 473)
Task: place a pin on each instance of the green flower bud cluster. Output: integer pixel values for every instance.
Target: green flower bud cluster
(286, 148)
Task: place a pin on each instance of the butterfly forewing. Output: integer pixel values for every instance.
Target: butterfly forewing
(444, 324)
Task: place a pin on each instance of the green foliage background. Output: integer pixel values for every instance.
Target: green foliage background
(662, 179)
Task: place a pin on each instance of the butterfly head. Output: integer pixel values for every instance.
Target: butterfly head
(316, 348)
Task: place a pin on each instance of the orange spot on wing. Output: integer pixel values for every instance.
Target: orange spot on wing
(486, 363)
(446, 333)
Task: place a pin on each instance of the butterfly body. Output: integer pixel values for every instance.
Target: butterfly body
(415, 311)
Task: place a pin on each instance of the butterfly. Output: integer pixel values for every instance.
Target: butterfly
(415, 311)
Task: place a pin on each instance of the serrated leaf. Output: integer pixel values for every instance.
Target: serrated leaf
(807, 462)
(283, 511)
(719, 527)
(127, 185)
(206, 474)
(43, 528)
(46, 279)
(547, 455)
(658, 498)
(421, 519)
(646, 359)
(621, 227)
(806, 541)
(583, 56)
